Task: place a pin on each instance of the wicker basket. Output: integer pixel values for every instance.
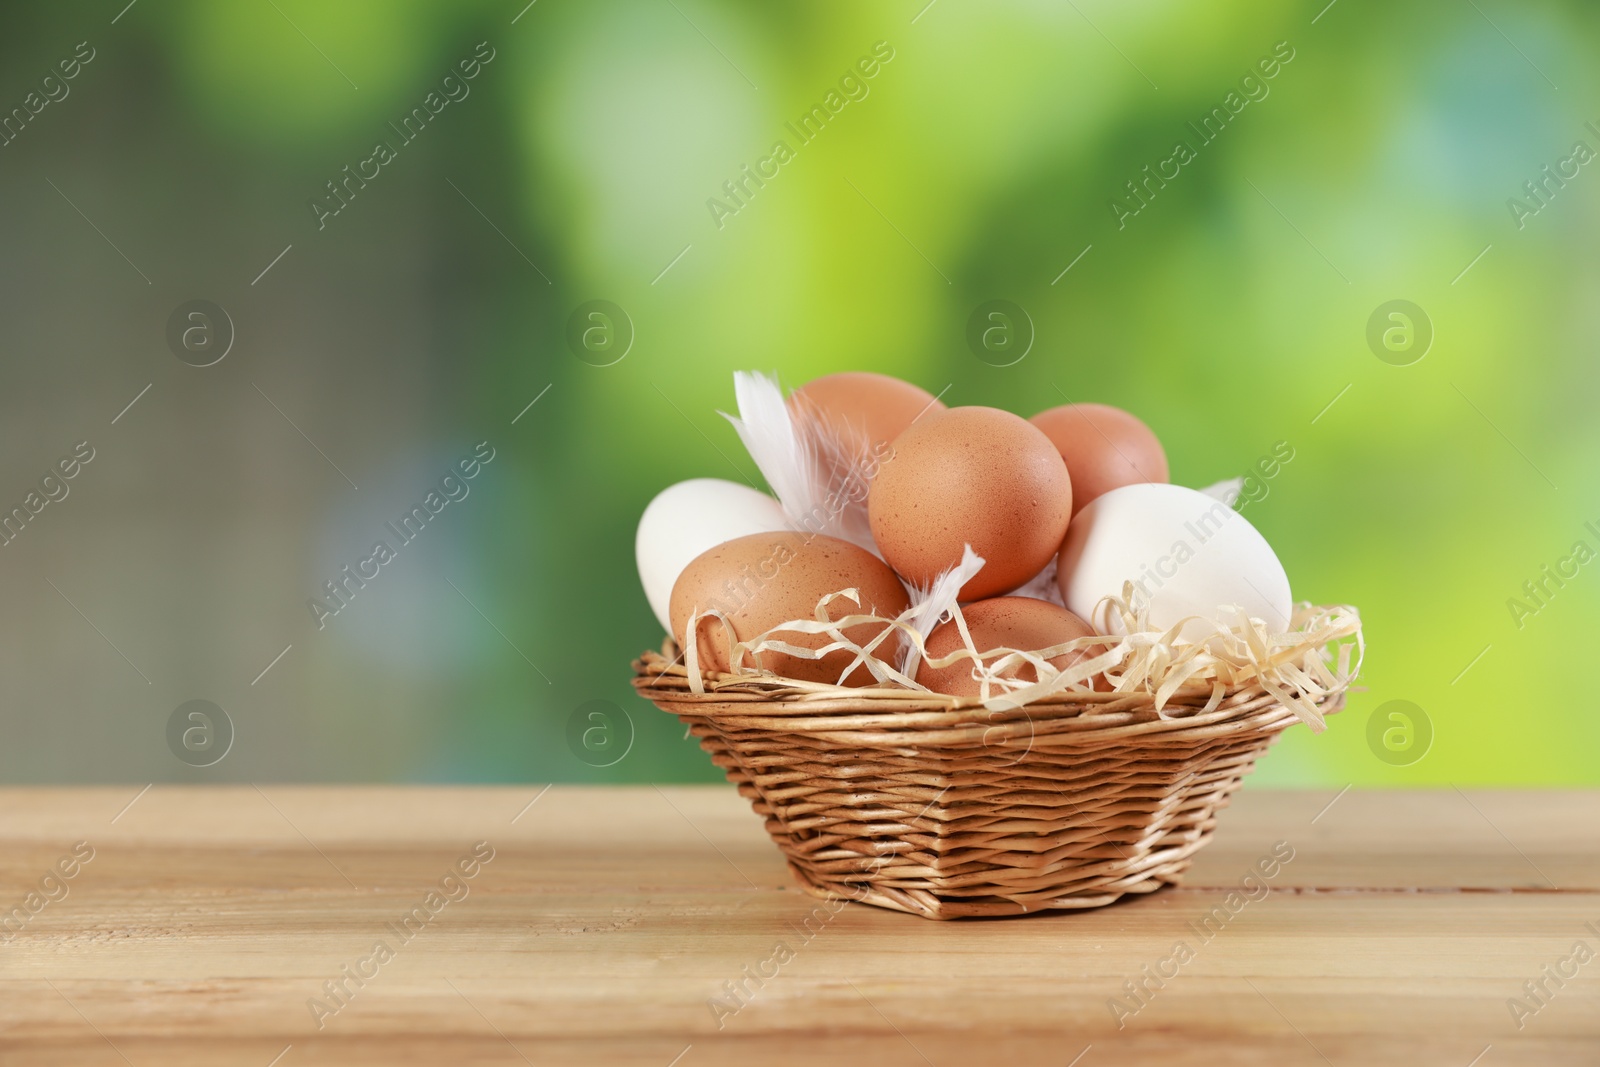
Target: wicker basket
(942, 808)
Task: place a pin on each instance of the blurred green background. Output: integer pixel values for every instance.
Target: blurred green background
(980, 162)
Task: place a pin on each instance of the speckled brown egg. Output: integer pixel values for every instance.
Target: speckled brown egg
(1016, 622)
(971, 475)
(875, 405)
(762, 580)
(1104, 448)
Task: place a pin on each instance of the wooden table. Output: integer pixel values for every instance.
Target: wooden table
(608, 922)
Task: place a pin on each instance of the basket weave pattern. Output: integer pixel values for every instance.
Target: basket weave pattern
(940, 807)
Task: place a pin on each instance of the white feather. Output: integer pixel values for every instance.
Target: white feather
(1043, 586)
(845, 465)
(818, 471)
(779, 450)
(932, 604)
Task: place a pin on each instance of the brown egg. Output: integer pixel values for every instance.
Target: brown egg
(977, 476)
(1016, 622)
(1105, 448)
(762, 580)
(876, 405)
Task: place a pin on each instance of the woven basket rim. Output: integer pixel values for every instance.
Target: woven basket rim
(880, 716)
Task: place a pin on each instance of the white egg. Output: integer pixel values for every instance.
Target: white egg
(685, 520)
(1187, 552)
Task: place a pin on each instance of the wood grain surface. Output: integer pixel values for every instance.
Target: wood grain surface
(610, 924)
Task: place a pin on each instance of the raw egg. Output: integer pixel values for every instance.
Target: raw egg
(971, 475)
(1186, 554)
(873, 407)
(686, 519)
(1104, 448)
(1015, 622)
(762, 580)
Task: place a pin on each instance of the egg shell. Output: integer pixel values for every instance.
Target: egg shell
(874, 405)
(763, 580)
(685, 520)
(1104, 448)
(971, 475)
(1188, 553)
(1015, 622)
